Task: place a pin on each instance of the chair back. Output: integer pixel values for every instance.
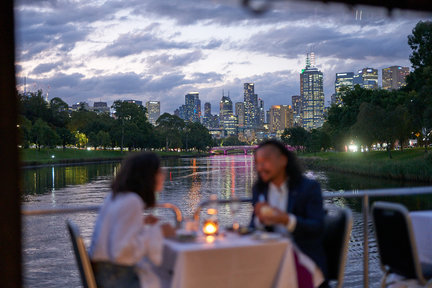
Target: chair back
(337, 233)
(395, 240)
(81, 256)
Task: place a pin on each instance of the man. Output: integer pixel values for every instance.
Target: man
(284, 199)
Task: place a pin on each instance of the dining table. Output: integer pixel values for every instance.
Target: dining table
(233, 261)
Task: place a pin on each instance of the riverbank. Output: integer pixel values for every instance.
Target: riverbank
(410, 164)
(34, 157)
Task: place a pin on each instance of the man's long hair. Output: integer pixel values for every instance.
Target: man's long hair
(293, 169)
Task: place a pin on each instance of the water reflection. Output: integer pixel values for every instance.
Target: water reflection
(47, 179)
(48, 259)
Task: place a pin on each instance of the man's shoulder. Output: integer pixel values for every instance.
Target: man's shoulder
(308, 184)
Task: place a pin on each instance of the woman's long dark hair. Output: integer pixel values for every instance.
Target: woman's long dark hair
(293, 169)
(138, 174)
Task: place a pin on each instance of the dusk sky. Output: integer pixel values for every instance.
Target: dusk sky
(160, 50)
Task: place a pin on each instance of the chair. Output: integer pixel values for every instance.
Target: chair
(396, 243)
(81, 256)
(337, 231)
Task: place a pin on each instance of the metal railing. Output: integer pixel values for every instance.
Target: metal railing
(94, 208)
(363, 194)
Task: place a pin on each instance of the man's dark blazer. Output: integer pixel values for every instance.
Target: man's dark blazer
(306, 203)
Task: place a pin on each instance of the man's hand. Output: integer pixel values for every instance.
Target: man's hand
(276, 217)
(150, 220)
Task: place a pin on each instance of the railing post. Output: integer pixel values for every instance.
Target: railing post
(365, 212)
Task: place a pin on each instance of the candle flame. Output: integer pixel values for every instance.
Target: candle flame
(210, 228)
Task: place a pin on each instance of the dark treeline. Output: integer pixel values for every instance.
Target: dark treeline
(380, 116)
(53, 124)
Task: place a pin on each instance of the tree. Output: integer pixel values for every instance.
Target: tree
(25, 127)
(131, 126)
(103, 139)
(197, 136)
(59, 113)
(170, 128)
(81, 139)
(66, 136)
(296, 137)
(369, 126)
(419, 82)
(43, 135)
(34, 107)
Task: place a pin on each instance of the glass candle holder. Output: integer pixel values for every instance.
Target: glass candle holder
(210, 227)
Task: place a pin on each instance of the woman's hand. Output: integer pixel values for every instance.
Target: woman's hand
(150, 220)
(167, 230)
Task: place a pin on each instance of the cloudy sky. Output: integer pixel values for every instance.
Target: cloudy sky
(160, 50)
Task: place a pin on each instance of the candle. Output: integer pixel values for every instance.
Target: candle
(210, 227)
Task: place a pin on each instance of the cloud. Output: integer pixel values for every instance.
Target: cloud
(137, 42)
(164, 62)
(45, 67)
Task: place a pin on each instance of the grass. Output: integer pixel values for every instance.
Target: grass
(44, 156)
(410, 164)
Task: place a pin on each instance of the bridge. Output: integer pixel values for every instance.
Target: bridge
(225, 149)
(245, 149)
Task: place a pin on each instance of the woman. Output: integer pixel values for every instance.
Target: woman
(123, 237)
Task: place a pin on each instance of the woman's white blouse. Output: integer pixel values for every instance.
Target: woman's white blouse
(120, 236)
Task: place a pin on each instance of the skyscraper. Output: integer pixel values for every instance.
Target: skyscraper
(343, 81)
(296, 106)
(394, 77)
(226, 107)
(281, 118)
(226, 110)
(207, 114)
(240, 113)
(367, 78)
(153, 111)
(192, 108)
(275, 118)
(251, 105)
(312, 95)
(287, 117)
(261, 113)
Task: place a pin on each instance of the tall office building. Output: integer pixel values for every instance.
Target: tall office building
(101, 107)
(343, 81)
(240, 113)
(230, 125)
(251, 105)
(394, 77)
(192, 109)
(312, 95)
(275, 118)
(226, 110)
(287, 117)
(367, 78)
(281, 118)
(153, 111)
(296, 106)
(261, 113)
(225, 107)
(207, 114)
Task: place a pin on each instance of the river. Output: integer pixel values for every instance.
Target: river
(48, 258)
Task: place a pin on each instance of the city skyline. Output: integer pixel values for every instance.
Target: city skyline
(154, 54)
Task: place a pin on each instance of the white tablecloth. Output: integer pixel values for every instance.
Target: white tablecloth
(422, 226)
(231, 262)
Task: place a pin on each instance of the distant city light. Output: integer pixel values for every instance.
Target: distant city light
(52, 156)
